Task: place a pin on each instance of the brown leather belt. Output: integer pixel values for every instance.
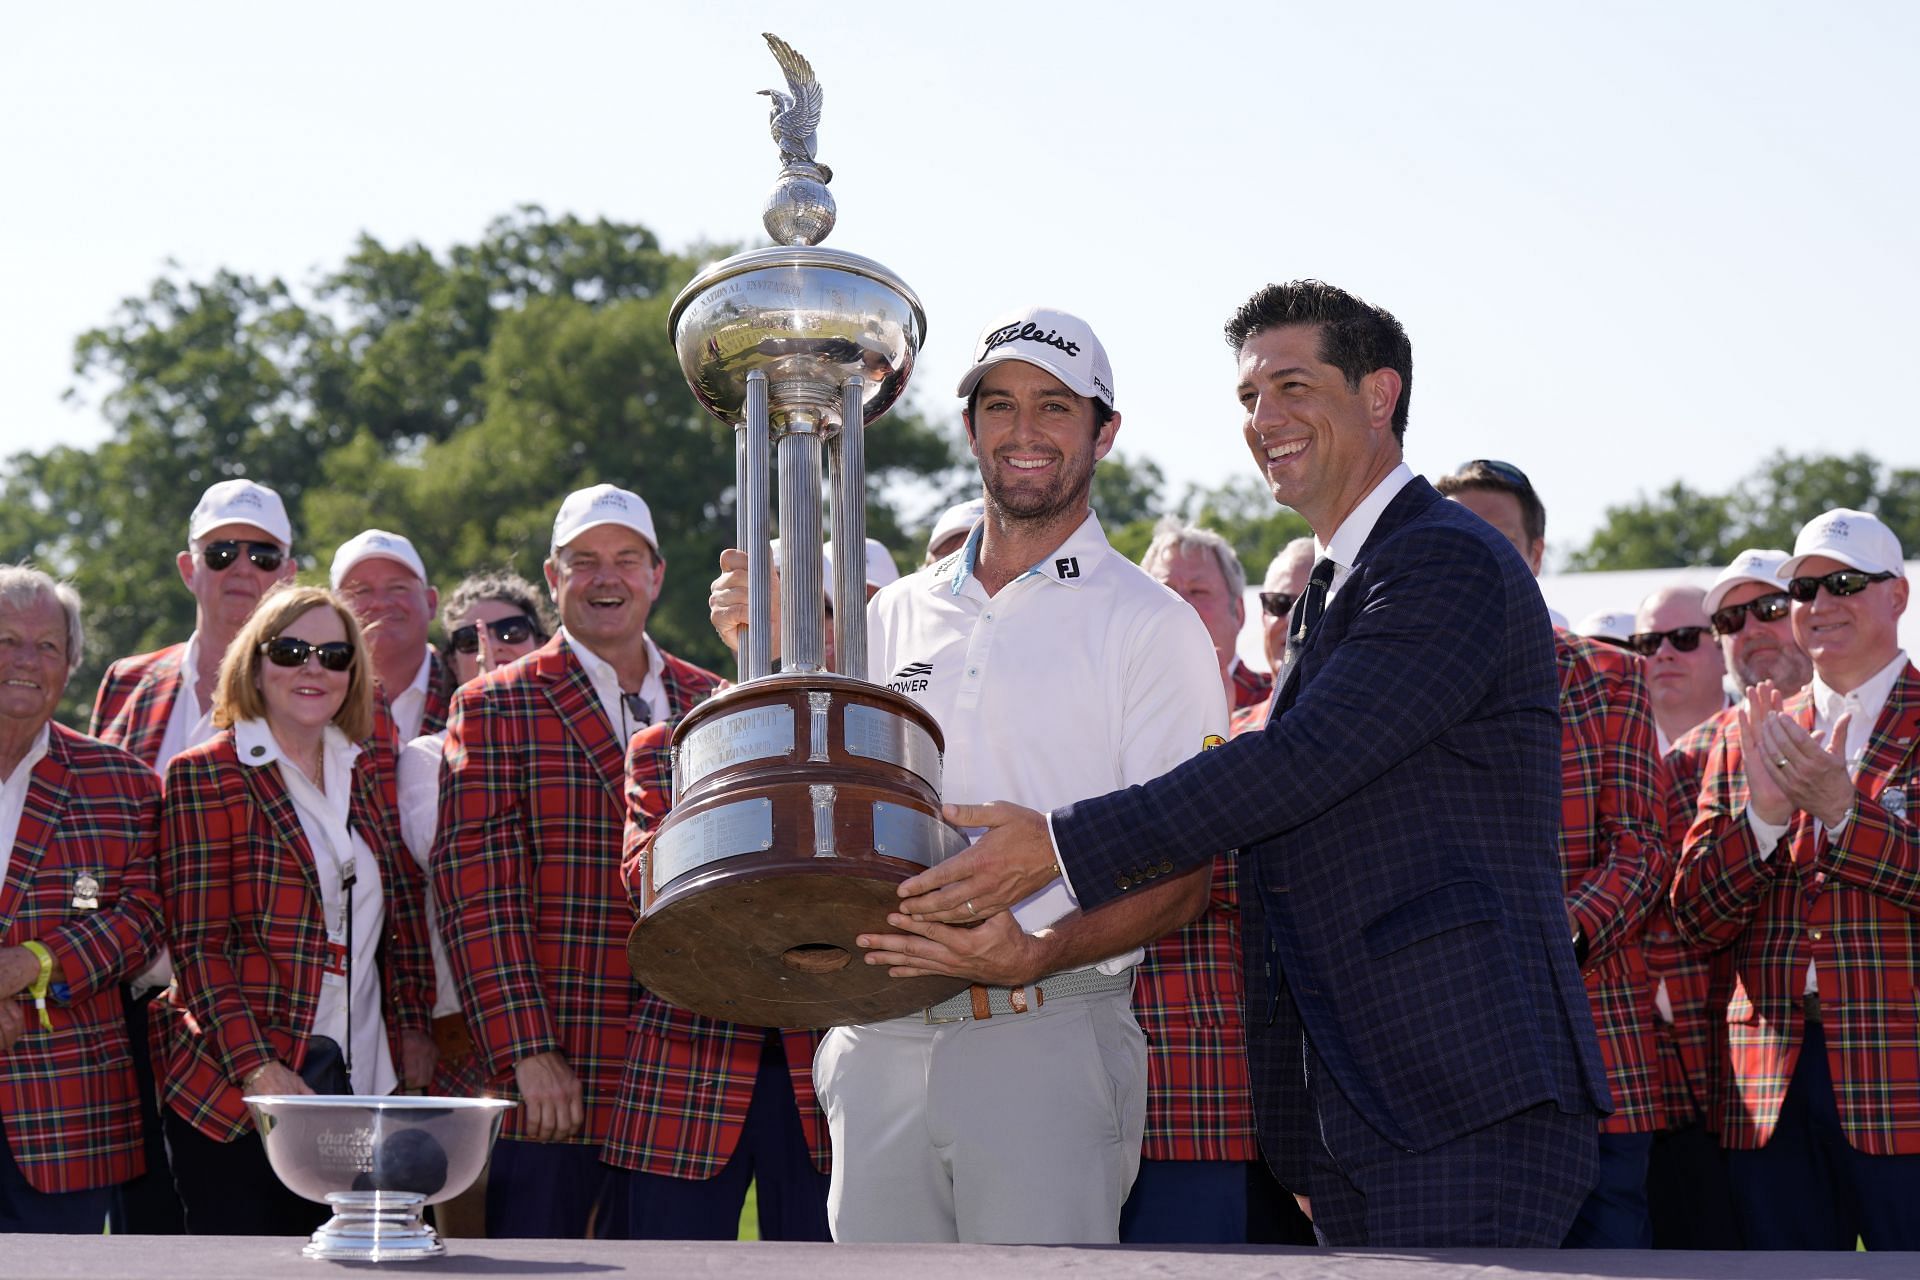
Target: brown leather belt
(978, 1002)
(450, 1035)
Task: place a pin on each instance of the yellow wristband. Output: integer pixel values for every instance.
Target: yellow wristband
(39, 988)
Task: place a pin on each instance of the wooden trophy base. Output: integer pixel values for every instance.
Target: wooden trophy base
(775, 948)
(802, 803)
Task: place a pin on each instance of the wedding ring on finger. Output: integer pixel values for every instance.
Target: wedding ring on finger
(971, 911)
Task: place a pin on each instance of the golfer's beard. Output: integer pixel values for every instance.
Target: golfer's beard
(1068, 492)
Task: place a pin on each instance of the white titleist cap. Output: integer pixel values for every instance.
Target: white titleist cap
(375, 544)
(587, 509)
(1061, 344)
(241, 502)
(957, 518)
(1852, 537)
(1613, 625)
(1755, 564)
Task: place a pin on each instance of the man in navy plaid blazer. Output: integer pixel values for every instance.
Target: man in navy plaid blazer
(1425, 1067)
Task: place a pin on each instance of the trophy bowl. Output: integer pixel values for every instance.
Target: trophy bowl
(807, 318)
(379, 1161)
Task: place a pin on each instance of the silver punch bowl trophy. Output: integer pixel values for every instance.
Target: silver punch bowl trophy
(379, 1162)
(802, 799)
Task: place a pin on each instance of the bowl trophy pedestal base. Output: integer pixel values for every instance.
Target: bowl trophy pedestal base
(375, 1226)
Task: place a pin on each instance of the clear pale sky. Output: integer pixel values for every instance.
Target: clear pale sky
(1632, 242)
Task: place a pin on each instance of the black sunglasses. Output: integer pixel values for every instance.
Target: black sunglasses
(290, 651)
(1505, 470)
(514, 630)
(1841, 582)
(1683, 640)
(1277, 604)
(1770, 607)
(219, 556)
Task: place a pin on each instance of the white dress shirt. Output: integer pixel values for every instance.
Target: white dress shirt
(1343, 548)
(419, 796)
(409, 706)
(1865, 703)
(1079, 677)
(190, 722)
(606, 686)
(13, 797)
(337, 850)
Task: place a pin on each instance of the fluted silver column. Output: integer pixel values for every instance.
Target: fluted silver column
(751, 516)
(803, 639)
(850, 535)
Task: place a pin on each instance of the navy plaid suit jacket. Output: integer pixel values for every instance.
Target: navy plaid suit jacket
(1397, 824)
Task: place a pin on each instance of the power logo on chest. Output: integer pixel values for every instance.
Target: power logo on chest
(912, 678)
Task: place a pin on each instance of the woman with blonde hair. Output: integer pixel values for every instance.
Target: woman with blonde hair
(295, 917)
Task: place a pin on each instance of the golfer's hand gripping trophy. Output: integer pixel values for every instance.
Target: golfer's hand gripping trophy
(803, 798)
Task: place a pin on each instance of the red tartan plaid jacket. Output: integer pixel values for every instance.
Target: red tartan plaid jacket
(384, 742)
(244, 922)
(1696, 981)
(1613, 855)
(135, 699)
(1190, 1001)
(68, 1094)
(1250, 689)
(526, 865)
(1849, 900)
(433, 713)
(682, 1105)
(1188, 997)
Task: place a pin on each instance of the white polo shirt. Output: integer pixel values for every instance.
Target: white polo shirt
(1079, 677)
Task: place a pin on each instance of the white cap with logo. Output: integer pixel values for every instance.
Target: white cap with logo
(241, 502)
(375, 544)
(958, 518)
(590, 508)
(1855, 538)
(1062, 344)
(1613, 625)
(880, 567)
(1755, 564)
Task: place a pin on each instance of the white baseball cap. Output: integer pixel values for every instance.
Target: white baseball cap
(880, 567)
(1755, 564)
(958, 518)
(1614, 625)
(587, 509)
(1062, 344)
(241, 502)
(1854, 538)
(375, 544)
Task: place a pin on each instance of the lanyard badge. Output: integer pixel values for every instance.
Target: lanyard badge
(340, 938)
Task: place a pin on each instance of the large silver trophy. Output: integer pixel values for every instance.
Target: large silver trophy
(803, 798)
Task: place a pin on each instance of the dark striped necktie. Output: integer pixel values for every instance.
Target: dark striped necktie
(1313, 601)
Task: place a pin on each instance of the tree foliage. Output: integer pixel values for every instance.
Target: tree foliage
(1682, 526)
(454, 397)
